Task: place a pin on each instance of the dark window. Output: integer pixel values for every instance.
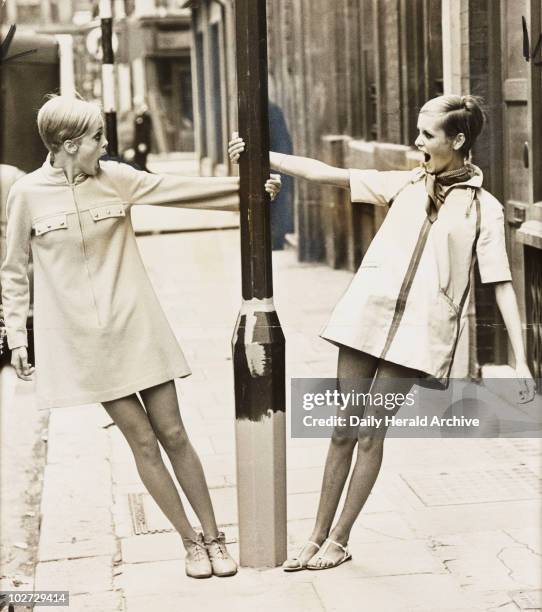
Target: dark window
(216, 93)
(201, 95)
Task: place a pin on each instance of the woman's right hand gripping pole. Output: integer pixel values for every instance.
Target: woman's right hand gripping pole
(294, 165)
(19, 360)
(235, 147)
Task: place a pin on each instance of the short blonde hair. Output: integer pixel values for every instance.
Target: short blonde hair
(64, 118)
(462, 114)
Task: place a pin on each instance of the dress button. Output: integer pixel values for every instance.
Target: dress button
(108, 212)
(62, 224)
(48, 227)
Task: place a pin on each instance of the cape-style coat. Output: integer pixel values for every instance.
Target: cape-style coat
(100, 332)
(406, 303)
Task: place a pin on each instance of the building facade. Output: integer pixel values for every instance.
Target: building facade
(152, 56)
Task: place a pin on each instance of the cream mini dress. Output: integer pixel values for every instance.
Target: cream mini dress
(100, 332)
(406, 303)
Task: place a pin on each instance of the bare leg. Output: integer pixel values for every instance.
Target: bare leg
(130, 417)
(163, 411)
(353, 368)
(390, 378)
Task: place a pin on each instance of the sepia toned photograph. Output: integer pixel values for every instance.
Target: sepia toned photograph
(271, 305)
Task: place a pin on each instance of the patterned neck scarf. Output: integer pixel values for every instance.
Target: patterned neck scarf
(434, 184)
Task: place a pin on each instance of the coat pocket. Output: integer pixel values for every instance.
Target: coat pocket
(106, 212)
(443, 329)
(453, 306)
(49, 224)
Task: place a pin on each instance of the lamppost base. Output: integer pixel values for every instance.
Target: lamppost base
(259, 366)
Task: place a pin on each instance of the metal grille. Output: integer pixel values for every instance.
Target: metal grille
(453, 487)
(533, 291)
(143, 520)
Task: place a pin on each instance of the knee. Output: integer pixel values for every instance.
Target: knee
(343, 440)
(174, 439)
(145, 447)
(370, 440)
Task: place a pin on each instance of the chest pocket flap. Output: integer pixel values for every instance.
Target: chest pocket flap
(108, 211)
(49, 224)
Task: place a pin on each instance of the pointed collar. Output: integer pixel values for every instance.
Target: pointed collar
(57, 176)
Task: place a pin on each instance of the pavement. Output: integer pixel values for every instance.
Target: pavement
(452, 524)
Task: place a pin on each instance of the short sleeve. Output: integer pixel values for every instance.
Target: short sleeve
(139, 187)
(376, 187)
(491, 247)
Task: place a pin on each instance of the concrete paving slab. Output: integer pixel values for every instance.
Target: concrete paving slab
(77, 547)
(64, 483)
(78, 576)
(91, 443)
(108, 601)
(73, 533)
(219, 464)
(488, 559)
(523, 566)
(530, 537)
(323, 368)
(528, 600)
(312, 456)
(80, 526)
(381, 527)
(298, 369)
(410, 593)
(125, 472)
(490, 600)
(484, 573)
(393, 558)
(298, 597)
(308, 480)
(377, 527)
(77, 418)
(302, 505)
(168, 577)
(122, 518)
(469, 518)
(152, 547)
(397, 492)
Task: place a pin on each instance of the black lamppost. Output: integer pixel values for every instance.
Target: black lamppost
(108, 77)
(258, 341)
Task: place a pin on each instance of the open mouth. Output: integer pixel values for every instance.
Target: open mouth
(426, 157)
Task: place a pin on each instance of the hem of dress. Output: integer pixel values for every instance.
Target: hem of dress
(426, 375)
(117, 393)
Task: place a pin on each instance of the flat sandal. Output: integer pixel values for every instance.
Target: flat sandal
(322, 555)
(299, 566)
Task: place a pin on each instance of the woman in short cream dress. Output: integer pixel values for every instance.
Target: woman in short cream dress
(401, 316)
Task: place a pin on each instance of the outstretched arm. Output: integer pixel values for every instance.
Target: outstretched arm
(211, 193)
(300, 167)
(507, 303)
(310, 169)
